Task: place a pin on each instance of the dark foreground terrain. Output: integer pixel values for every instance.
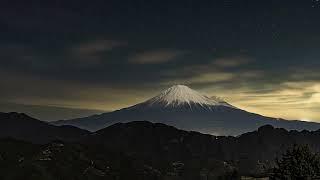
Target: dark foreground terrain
(138, 150)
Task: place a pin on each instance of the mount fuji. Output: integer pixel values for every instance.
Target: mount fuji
(188, 109)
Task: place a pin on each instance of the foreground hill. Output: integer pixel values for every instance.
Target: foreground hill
(184, 108)
(159, 144)
(64, 161)
(143, 150)
(140, 149)
(23, 127)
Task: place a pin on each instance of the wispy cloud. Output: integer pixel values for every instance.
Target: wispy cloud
(90, 53)
(206, 78)
(155, 56)
(211, 73)
(96, 46)
(234, 61)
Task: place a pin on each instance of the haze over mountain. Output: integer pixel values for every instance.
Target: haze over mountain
(23, 127)
(48, 113)
(188, 109)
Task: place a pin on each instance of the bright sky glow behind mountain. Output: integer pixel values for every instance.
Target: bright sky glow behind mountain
(66, 59)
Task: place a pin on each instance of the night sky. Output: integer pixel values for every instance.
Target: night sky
(63, 59)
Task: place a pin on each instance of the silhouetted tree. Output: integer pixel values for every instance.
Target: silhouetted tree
(299, 162)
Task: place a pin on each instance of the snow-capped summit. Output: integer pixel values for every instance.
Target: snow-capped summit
(183, 95)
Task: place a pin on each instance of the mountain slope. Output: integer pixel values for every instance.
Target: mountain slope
(22, 127)
(187, 109)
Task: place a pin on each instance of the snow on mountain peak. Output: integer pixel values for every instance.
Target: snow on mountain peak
(181, 94)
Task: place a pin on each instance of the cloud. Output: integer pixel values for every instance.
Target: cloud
(212, 77)
(210, 73)
(228, 62)
(303, 73)
(97, 46)
(21, 88)
(155, 56)
(89, 54)
(289, 100)
(206, 78)
(251, 74)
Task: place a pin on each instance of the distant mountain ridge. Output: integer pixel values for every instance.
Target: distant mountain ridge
(187, 109)
(23, 127)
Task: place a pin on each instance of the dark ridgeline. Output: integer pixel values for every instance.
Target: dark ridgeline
(24, 127)
(138, 150)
